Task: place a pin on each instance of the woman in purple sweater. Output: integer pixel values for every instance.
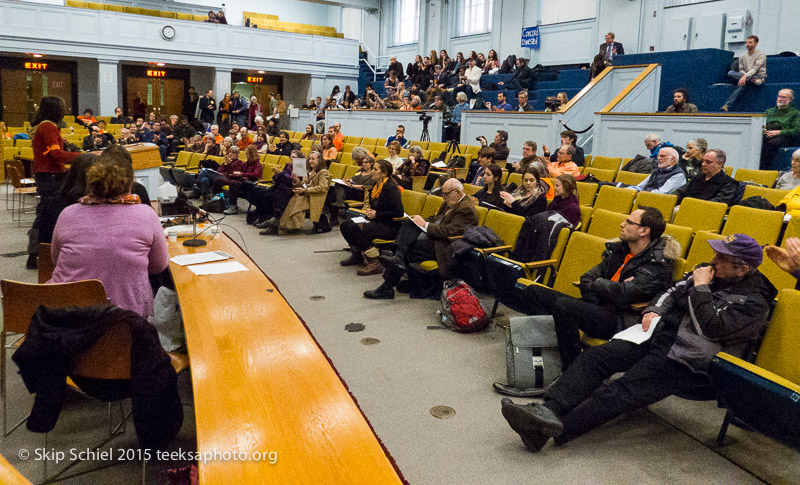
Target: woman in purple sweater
(565, 201)
(111, 237)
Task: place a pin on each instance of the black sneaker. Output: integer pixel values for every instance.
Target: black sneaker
(32, 263)
(534, 423)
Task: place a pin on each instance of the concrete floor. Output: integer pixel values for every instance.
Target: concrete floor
(412, 369)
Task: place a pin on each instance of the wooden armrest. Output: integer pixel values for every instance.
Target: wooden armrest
(496, 249)
(639, 306)
(540, 264)
(453, 238)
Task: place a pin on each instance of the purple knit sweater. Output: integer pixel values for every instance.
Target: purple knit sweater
(116, 244)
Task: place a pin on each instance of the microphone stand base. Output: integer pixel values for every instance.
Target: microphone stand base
(194, 243)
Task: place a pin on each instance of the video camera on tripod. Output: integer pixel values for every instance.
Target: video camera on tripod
(425, 118)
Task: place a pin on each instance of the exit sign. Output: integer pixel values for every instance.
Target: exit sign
(39, 66)
(156, 73)
(252, 79)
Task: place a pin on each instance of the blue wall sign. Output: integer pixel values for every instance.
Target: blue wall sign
(530, 37)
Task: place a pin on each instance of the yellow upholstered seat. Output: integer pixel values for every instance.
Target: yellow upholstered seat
(605, 223)
(762, 177)
(762, 225)
(700, 215)
(615, 199)
(665, 203)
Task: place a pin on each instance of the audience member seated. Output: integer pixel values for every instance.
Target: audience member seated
(790, 203)
(159, 139)
(530, 198)
(712, 183)
(564, 163)
(316, 185)
(244, 138)
(390, 84)
(667, 179)
(502, 104)
(328, 150)
(413, 166)
(568, 138)
(94, 141)
(394, 155)
(752, 71)
(111, 236)
(653, 143)
(195, 145)
(634, 269)
(119, 118)
(207, 176)
(522, 102)
(790, 179)
(528, 155)
(127, 137)
(214, 130)
(262, 144)
(782, 127)
(184, 131)
(597, 66)
(521, 80)
(421, 240)
(453, 129)
(87, 118)
(239, 176)
(73, 189)
(565, 200)
(338, 136)
(680, 102)
(283, 147)
(211, 148)
(489, 195)
(499, 145)
(692, 160)
(399, 136)
(309, 134)
(355, 186)
(720, 307)
(486, 157)
(383, 206)
(270, 202)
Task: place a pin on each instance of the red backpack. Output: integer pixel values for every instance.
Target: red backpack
(462, 311)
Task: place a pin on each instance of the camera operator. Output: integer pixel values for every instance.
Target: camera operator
(552, 104)
(499, 145)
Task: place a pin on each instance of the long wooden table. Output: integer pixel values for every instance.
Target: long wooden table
(262, 384)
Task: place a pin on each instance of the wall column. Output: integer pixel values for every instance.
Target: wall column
(108, 87)
(222, 83)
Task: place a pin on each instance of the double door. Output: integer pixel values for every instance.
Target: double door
(23, 90)
(163, 96)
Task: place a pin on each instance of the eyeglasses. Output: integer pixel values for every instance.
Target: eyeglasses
(629, 222)
(445, 194)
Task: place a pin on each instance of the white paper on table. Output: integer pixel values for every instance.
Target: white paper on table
(439, 165)
(635, 333)
(299, 167)
(217, 268)
(359, 220)
(340, 181)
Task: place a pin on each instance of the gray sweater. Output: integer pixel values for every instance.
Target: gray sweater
(753, 65)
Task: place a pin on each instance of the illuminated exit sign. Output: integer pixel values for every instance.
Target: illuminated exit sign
(156, 73)
(39, 66)
(252, 79)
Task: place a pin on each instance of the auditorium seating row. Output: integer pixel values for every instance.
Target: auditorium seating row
(271, 22)
(109, 7)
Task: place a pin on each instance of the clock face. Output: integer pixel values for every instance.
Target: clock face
(168, 32)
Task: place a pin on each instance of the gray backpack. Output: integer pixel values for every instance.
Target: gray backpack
(532, 358)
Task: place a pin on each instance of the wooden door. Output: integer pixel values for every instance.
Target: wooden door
(15, 96)
(140, 85)
(172, 102)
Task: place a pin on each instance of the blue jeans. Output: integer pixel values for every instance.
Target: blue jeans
(739, 91)
(205, 180)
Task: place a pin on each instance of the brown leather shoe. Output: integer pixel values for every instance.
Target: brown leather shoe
(354, 258)
(373, 266)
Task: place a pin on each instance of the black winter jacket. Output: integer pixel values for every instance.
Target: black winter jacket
(651, 270)
(57, 335)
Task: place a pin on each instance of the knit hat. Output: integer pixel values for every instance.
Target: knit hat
(741, 246)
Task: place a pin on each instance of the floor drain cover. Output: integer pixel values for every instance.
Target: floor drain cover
(354, 327)
(443, 412)
(316, 298)
(370, 341)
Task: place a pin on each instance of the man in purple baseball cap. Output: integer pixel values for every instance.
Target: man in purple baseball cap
(718, 307)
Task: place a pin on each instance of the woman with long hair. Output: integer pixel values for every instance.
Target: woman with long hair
(336, 94)
(414, 166)
(383, 205)
(224, 114)
(328, 150)
(49, 160)
(529, 199)
(309, 134)
(253, 111)
(316, 185)
(565, 201)
(489, 195)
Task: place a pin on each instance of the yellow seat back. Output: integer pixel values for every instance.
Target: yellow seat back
(772, 195)
(583, 252)
(700, 251)
(586, 193)
(665, 203)
(761, 177)
(505, 225)
(615, 199)
(413, 202)
(777, 353)
(631, 178)
(605, 223)
(336, 170)
(431, 207)
(682, 235)
(701, 215)
(603, 174)
(607, 163)
(762, 225)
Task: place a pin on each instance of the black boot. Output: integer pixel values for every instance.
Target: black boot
(334, 216)
(32, 263)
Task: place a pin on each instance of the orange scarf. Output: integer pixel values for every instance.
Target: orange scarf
(377, 188)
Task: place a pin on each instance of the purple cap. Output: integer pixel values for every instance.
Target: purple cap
(742, 246)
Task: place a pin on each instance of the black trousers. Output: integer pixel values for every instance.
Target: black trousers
(361, 235)
(269, 201)
(414, 246)
(584, 401)
(770, 146)
(571, 315)
(48, 187)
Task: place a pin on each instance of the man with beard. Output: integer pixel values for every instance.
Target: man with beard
(680, 102)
